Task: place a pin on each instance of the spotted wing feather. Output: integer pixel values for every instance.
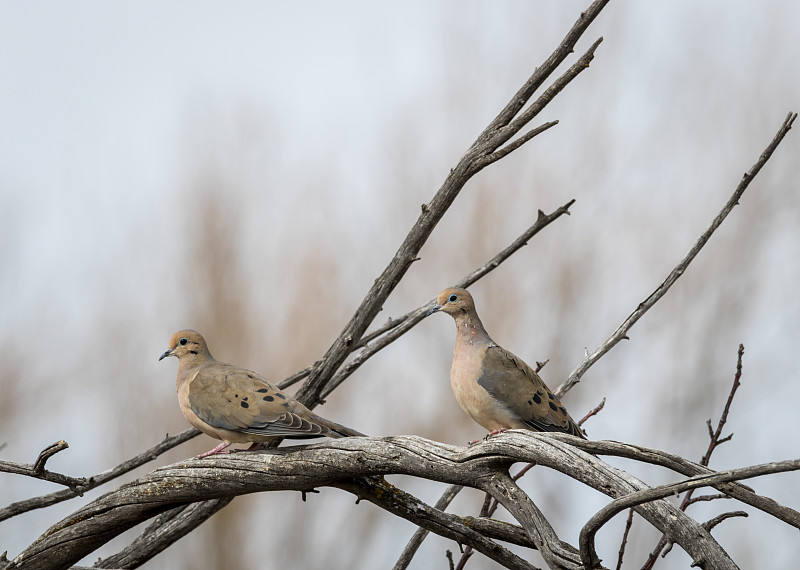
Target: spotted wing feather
(511, 381)
(241, 400)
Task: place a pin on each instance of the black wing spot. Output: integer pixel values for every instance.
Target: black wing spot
(281, 396)
(268, 398)
(563, 410)
(244, 404)
(530, 403)
(537, 398)
(262, 390)
(549, 395)
(553, 406)
(285, 404)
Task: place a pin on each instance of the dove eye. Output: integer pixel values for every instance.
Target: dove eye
(183, 342)
(453, 298)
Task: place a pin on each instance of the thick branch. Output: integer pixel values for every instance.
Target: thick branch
(402, 504)
(165, 530)
(416, 540)
(330, 463)
(645, 305)
(558, 554)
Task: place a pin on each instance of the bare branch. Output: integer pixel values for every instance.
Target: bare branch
(713, 443)
(166, 529)
(645, 305)
(628, 525)
(37, 470)
(707, 498)
(47, 453)
(683, 466)
(379, 492)
(514, 145)
(593, 412)
(334, 462)
(469, 165)
(588, 532)
(396, 328)
(709, 524)
(715, 437)
(419, 536)
(558, 554)
(504, 134)
(84, 485)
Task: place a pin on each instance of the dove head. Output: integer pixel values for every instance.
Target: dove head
(189, 347)
(455, 302)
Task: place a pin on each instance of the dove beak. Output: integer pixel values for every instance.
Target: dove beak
(434, 309)
(166, 353)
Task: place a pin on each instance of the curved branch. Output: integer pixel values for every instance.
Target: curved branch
(557, 553)
(303, 468)
(167, 529)
(688, 468)
(379, 492)
(588, 532)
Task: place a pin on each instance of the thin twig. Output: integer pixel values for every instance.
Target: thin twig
(37, 470)
(593, 412)
(707, 498)
(709, 524)
(714, 436)
(716, 439)
(623, 544)
(47, 453)
(648, 303)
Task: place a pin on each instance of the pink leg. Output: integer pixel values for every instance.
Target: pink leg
(488, 435)
(214, 451)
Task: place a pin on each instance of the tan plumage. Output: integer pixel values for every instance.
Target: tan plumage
(238, 405)
(496, 388)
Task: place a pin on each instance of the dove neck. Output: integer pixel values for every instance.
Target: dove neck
(469, 328)
(190, 361)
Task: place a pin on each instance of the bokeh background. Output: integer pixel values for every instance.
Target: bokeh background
(248, 169)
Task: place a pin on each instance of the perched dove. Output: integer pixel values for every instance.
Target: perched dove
(497, 389)
(238, 405)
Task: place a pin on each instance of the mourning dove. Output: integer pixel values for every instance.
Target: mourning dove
(238, 405)
(497, 389)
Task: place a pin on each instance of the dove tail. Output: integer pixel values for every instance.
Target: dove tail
(338, 430)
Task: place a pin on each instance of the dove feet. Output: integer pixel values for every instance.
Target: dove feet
(216, 450)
